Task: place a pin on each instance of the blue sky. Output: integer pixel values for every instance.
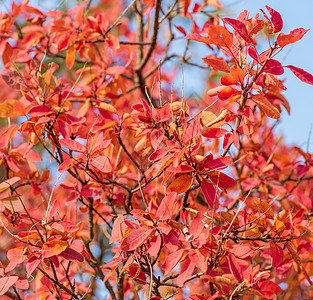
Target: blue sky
(295, 14)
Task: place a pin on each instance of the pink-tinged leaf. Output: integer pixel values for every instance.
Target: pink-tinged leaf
(32, 265)
(118, 230)
(136, 238)
(6, 136)
(219, 163)
(268, 289)
(181, 184)
(275, 19)
(16, 255)
(196, 225)
(6, 184)
(267, 107)
(217, 64)
(246, 129)
(73, 145)
(54, 247)
(199, 259)
(102, 163)
(199, 38)
(250, 183)
(277, 254)
(172, 260)
(240, 28)
(274, 67)
(155, 245)
(214, 133)
(167, 207)
(210, 193)
(185, 272)
(156, 138)
(72, 255)
(294, 36)
(235, 267)
(301, 74)
(6, 283)
(22, 283)
(115, 70)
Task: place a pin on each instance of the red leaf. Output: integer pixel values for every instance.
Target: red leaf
(73, 145)
(268, 288)
(214, 133)
(275, 19)
(6, 283)
(219, 163)
(181, 29)
(294, 36)
(227, 93)
(102, 163)
(240, 28)
(172, 260)
(301, 74)
(185, 272)
(277, 254)
(274, 67)
(180, 169)
(136, 238)
(167, 207)
(115, 70)
(222, 180)
(72, 255)
(210, 193)
(16, 255)
(40, 110)
(235, 267)
(217, 64)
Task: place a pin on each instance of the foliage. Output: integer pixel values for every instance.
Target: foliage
(116, 186)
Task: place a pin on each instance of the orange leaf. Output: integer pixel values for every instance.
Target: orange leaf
(70, 57)
(53, 247)
(11, 108)
(181, 184)
(220, 36)
(217, 64)
(267, 107)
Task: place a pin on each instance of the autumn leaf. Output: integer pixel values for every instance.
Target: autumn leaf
(53, 247)
(70, 57)
(217, 64)
(294, 36)
(301, 74)
(6, 184)
(181, 184)
(136, 238)
(220, 36)
(6, 283)
(267, 107)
